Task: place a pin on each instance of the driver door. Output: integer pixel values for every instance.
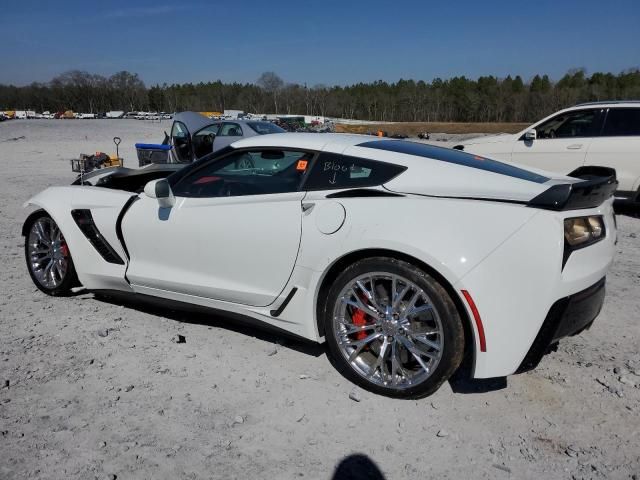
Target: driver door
(180, 140)
(561, 142)
(233, 234)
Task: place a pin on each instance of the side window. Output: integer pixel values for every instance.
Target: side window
(262, 128)
(230, 130)
(179, 130)
(255, 172)
(181, 142)
(580, 123)
(203, 140)
(622, 122)
(332, 171)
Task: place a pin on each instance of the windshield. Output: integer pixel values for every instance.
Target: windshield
(262, 128)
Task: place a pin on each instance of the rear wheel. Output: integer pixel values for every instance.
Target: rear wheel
(392, 328)
(48, 258)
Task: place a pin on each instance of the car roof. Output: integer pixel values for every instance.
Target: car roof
(611, 103)
(194, 121)
(434, 170)
(406, 153)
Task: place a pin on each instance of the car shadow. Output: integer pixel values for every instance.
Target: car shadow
(461, 382)
(197, 315)
(466, 385)
(164, 213)
(357, 466)
(630, 209)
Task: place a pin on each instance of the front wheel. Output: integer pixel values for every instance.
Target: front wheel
(392, 328)
(47, 255)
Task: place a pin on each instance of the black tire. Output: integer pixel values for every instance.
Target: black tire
(69, 279)
(453, 340)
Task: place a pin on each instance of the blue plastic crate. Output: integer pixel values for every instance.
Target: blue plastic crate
(152, 153)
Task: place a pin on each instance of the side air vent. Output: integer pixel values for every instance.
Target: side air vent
(84, 220)
(280, 309)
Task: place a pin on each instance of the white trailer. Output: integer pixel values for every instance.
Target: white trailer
(233, 114)
(310, 119)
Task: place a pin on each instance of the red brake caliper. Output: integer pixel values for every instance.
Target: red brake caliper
(64, 249)
(359, 318)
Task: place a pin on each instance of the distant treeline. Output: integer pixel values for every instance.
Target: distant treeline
(458, 99)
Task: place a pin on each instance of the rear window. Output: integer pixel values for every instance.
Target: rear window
(332, 171)
(262, 128)
(622, 122)
(455, 156)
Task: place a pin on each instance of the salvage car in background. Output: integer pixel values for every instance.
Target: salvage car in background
(599, 133)
(404, 257)
(192, 135)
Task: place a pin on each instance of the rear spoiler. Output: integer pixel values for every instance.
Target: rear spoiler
(598, 185)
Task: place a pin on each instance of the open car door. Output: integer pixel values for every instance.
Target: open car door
(192, 136)
(180, 141)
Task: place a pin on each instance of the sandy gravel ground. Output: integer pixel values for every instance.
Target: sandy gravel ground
(93, 389)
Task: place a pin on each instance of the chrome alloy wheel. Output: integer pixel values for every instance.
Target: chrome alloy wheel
(388, 330)
(48, 254)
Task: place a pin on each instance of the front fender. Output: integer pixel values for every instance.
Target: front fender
(28, 221)
(94, 272)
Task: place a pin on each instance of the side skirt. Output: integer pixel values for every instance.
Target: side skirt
(160, 306)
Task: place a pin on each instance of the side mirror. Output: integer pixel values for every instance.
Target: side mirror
(530, 135)
(160, 190)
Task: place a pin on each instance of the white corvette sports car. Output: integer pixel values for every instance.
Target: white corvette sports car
(406, 258)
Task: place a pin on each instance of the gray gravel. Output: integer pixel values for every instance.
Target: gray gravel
(223, 406)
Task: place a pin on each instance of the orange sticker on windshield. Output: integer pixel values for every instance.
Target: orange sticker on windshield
(302, 165)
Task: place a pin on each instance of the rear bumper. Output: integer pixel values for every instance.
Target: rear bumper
(568, 316)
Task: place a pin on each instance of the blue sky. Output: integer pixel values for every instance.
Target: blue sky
(321, 41)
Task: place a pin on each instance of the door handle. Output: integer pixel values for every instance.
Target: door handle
(574, 146)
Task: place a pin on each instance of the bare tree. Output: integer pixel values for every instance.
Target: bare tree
(272, 84)
(131, 88)
(79, 90)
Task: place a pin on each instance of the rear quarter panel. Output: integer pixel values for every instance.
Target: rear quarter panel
(449, 235)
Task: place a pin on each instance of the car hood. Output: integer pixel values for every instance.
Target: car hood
(127, 179)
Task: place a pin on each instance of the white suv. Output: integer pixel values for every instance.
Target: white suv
(601, 133)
